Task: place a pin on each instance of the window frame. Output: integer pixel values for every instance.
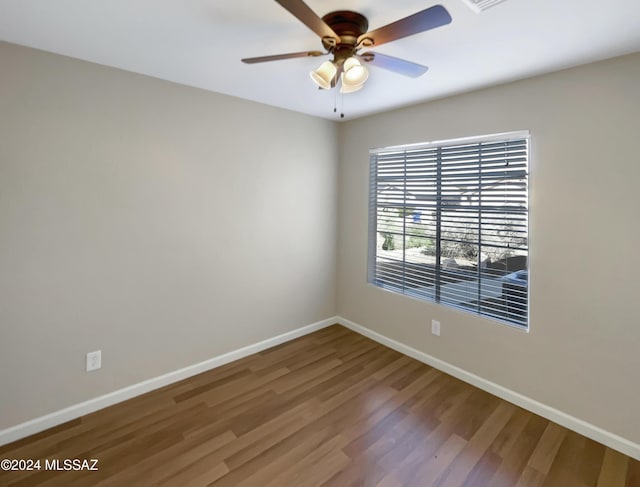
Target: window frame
(372, 254)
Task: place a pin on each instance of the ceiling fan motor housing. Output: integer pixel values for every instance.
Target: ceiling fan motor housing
(349, 26)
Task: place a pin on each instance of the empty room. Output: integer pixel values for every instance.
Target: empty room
(319, 243)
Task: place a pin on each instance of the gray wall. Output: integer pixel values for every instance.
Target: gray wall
(582, 355)
(161, 224)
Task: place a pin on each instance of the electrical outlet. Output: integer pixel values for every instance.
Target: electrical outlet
(94, 360)
(435, 327)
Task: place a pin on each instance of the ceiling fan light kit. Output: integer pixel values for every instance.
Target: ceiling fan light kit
(349, 88)
(324, 75)
(354, 72)
(352, 75)
(344, 33)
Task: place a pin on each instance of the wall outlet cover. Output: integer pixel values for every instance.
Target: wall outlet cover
(94, 360)
(435, 327)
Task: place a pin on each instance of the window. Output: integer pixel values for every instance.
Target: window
(449, 223)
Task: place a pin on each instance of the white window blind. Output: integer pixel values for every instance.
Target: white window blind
(449, 223)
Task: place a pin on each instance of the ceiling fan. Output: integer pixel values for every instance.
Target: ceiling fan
(345, 33)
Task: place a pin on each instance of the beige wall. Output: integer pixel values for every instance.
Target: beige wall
(582, 355)
(161, 224)
(166, 225)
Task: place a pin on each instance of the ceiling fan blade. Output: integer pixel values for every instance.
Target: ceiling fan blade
(394, 64)
(308, 17)
(278, 57)
(430, 18)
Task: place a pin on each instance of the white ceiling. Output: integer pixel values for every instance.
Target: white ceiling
(200, 43)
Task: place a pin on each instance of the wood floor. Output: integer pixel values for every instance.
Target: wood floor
(329, 409)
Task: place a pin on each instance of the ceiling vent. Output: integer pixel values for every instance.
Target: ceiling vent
(480, 5)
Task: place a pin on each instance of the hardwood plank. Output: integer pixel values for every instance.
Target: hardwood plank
(388, 482)
(484, 471)
(433, 468)
(421, 442)
(332, 408)
(614, 469)
(315, 468)
(265, 467)
(530, 478)
(547, 448)
(633, 473)
(565, 468)
(169, 462)
(477, 445)
(518, 447)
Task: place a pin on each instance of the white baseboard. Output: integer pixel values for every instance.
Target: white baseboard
(62, 416)
(575, 424)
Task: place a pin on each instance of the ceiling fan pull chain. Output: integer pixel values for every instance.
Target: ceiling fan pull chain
(341, 105)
